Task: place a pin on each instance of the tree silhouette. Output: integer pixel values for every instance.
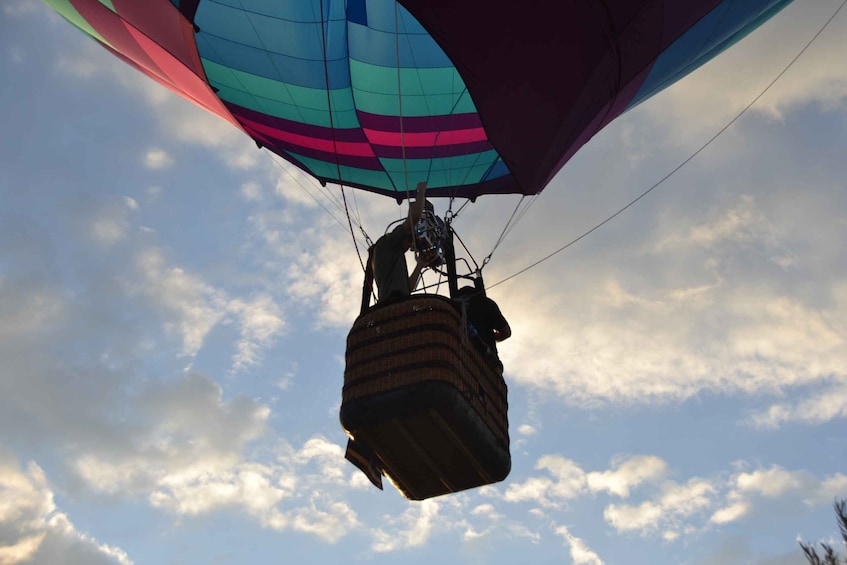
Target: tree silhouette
(830, 557)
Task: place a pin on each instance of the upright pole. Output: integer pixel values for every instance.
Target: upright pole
(450, 257)
(368, 285)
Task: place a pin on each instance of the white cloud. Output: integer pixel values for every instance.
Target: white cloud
(110, 221)
(776, 482)
(295, 186)
(471, 534)
(517, 530)
(825, 405)
(289, 493)
(708, 98)
(486, 510)
(411, 529)
(190, 434)
(527, 430)
(630, 473)
(108, 231)
(331, 524)
(177, 118)
(249, 486)
(325, 275)
(749, 492)
(730, 513)
(157, 159)
(741, 222)
(260, 321)
(34, 530)
(251, 191)
(191, 306)
(328, 455)
(568, 481)
(580, 552)
(674, 503)
(532, 489)
(624, 517)
(707, 301)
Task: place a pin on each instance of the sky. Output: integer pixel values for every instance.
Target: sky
(174, 304)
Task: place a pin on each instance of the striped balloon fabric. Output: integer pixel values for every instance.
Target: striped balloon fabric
(473, 97)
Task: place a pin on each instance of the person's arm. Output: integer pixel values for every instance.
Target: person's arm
(502, 333)
(416, 209)
(502, 330)
(416, 273)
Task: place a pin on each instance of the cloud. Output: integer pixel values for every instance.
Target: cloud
(568, 481)
(825, 405)
(664, 507)
(157, 159)
(527, 430)
(34, 530)
(330, 457)
(288, 493)
(674, 503)
(260, 321)
(295, 186)
(178, 119)
(109, 221)
(411, 529)
(749, 491)
(742, 222)
(730, 513)
(330, 525)
(631, 473)
(182, 429)
(316, 260)
(191, 306)
(715, 300)
(486, 510)
(251, 191)
(249, 486)
(712, 95)
(580, 553)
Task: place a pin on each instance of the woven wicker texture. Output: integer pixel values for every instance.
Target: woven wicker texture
(421, 340)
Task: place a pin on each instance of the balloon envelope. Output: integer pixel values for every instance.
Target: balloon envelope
(474, 97)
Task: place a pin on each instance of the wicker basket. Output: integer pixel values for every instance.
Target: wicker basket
(431, 406)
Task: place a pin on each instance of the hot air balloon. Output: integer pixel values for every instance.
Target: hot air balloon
(473, 98)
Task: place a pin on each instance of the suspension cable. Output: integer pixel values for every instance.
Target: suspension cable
(335, 141)
(503, 233)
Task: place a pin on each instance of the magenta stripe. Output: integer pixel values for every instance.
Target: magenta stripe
(395, 152)
(419, 124)
(284, 148)
(428, 139)
(354, 135)
(326, 145)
